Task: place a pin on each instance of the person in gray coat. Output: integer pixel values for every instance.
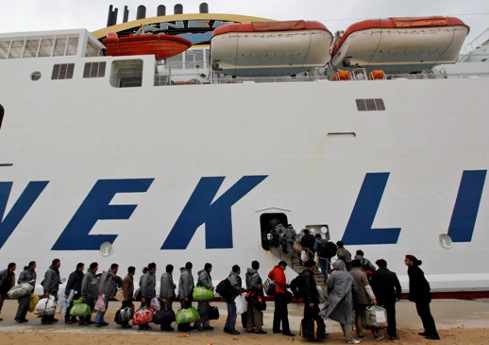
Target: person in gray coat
(106, 288)
(28, 275)
(50, 286)
(186, 286)
(204, 280)
(148, 285)
(254, 285)
(89, 289)
(340, 301)
(236, 284)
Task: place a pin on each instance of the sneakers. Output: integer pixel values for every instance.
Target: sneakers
(353, 341)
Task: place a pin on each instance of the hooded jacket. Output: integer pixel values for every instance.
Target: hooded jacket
(204, 280)
(75, 281)
(148, 285)
(185, 284)
(236, 283)
(167, 287)
(89, 288)
(51, 281)
(253, 281)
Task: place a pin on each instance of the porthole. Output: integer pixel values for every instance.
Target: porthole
(446, 241)
(106, 249)
(35, 76)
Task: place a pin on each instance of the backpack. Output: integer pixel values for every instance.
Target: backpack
(123, 315)
(327, 249)
(297, 286)
(225, 290)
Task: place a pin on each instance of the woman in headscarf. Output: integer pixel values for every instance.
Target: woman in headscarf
(420, 293)
(340, 302)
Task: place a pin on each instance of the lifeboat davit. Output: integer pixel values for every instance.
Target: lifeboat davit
(270, 48)
(401, 44)
(160, 45)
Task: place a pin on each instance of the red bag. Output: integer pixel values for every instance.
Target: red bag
(142, 317)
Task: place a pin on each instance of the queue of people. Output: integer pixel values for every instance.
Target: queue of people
(353, 284)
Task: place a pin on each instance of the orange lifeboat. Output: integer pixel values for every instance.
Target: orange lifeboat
(270, 48)
(400, 43)
(161, 45)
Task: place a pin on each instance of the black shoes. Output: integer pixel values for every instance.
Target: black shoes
(289, 334)
(231, 331)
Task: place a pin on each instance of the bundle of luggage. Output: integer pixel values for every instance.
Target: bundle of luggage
(80, 309)
(202, 294)
(20, 290)
(376, 317)
(46, 307)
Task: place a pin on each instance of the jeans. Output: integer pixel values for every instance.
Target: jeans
(324, 266)
(203, 308)
(23, 308)
(281, 314)
(424, 313)
(231, 318)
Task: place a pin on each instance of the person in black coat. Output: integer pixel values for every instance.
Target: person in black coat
(387, 290)
(311, 299)
(74, 284)
(420, 293)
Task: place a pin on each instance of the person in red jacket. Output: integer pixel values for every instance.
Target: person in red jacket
(280, 316)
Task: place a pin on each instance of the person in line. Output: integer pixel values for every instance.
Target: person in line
(237, 286)
(148, 285)
(254, 285)
(186, 286)
(128, 286)
(50, 285)
(167, 293)
(343, 254)
(73, 288)
(387, 290)
(340, 301)
(7, 281)
(311, 299)
(137, 294)
(290, 236)
(363, 296)
(307, 243)
(420, 293)
(89, 290)
(281, 313)
(204, 280)
(366, 264)
(28, 275)
(325, 250)
(106, 289)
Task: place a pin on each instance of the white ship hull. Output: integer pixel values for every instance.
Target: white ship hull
(293, 136)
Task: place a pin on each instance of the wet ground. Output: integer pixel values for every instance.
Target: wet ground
(460, 322)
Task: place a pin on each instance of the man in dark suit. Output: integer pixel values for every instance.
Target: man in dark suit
(387, 290)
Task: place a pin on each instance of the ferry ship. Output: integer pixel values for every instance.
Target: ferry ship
(183, 137)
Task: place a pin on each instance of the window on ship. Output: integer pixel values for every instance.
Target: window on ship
(126, 73)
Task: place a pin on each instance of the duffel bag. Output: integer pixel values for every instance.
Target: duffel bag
(20, 290)
(124, 315)
(164, 317)
(213, 313)
(142, 317)
(46, 307)
(202, 294)
(80, 309)
(186, 316)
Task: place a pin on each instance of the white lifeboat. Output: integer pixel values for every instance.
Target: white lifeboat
(270, 48)
(400, 44)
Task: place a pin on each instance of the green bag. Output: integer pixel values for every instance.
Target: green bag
(187, 316)
(202, 294)
(80, 309)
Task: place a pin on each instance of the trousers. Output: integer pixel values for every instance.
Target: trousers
(424, 313)
(281, 314)
(231, 317)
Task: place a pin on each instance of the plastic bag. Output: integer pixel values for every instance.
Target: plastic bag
(241, 305)
(100, 304)
(67, 301)
(46, 306)
(376, 317)
(33, 302)
(202, 294)
(188, 315)
(142, 317)
(20, 290)
(80, 309)
(155, 304)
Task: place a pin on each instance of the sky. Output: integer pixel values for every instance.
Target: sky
(31, 15)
